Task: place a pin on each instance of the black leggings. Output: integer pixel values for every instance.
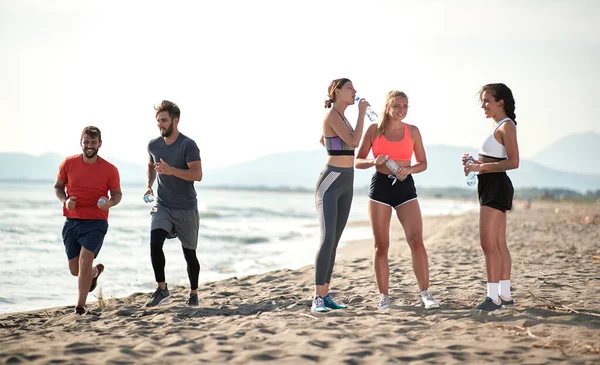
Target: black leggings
(157, 239)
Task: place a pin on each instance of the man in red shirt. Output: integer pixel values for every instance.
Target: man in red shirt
(82, 185)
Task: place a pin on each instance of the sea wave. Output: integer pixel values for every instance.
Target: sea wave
(249, 240)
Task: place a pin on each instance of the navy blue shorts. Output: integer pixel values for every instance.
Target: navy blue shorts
(88, 233)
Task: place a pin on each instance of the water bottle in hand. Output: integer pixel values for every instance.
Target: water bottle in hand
(393, 166)
(149, 198)
(472, 177)
(101, 201)
(370, 113)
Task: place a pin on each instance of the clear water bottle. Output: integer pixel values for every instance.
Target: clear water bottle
(393, 166)
(472, 177)
(149, 198)
(101, 201)
(370, 113)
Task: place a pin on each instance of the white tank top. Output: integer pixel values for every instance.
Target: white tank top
(491, 147)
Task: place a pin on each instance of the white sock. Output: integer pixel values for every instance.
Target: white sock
(505, 289)
(492, 291)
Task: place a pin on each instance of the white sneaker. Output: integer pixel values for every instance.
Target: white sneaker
(384, 302)
(428, 301)
(318, 305)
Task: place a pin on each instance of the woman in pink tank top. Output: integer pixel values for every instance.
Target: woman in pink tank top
(396, 141)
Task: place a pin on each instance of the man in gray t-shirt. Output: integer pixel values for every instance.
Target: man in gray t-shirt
(175, 159)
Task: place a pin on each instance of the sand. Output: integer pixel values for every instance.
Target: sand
(266, 318)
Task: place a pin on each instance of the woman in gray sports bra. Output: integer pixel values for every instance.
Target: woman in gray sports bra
(498, 153)
(333, 196)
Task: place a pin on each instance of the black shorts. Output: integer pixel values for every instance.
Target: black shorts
(88, 233)
(495, 190)
(382, 190)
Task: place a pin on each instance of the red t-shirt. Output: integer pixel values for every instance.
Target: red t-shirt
(88, 182)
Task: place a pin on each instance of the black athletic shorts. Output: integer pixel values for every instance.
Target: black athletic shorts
(382, 190)
(495, 190)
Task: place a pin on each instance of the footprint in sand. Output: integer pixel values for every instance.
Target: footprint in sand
(80, 348)
(317, 343)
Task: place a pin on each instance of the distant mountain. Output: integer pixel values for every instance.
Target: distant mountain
(300, 169)
(575, 153)
(445, 169)
(20, 166)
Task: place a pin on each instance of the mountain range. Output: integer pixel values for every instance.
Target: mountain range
(570, 163)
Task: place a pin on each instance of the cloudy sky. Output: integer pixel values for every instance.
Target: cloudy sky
(250, 76)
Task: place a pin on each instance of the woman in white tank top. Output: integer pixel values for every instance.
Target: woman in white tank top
(498, 153)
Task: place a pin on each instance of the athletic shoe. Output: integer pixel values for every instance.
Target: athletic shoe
(318, 305)
(329, 303)
(507, 303)
(384, 302)
(192, 300)
(428, 301)
(158, 297)
(100, 268)
(488, 305)
(80, 310)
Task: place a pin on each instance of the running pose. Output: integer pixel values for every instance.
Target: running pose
(175, 159)
(82, 186)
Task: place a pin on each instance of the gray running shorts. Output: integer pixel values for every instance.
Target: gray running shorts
(182, 223)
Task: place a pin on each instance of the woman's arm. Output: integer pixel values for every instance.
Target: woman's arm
(361, 161)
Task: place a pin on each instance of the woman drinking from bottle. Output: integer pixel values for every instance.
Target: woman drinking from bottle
(498, 153)
(333, 196)
(394, 140)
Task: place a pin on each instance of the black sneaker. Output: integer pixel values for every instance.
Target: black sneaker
(507, 303)
(488, 305)
(100, 268)
(80, 310)
(158, 297)
(192, 300)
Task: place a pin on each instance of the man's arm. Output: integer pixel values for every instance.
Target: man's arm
(115, 196)
(151, 177)
(193, 173)
(59, 191)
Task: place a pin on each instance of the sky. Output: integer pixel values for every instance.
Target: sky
(250, 77)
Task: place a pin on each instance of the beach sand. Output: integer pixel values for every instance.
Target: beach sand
(266, 318)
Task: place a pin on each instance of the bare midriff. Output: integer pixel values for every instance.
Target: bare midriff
(340, 161)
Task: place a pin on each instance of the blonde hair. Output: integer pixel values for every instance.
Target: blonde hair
(382, 123)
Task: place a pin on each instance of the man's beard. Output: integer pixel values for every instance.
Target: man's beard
(167, 132)
(88, 154)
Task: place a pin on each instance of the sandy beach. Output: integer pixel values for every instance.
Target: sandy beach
(266, 318)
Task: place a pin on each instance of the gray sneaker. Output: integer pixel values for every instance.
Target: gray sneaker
(192, 300)
(384, 302)
(158, 297)
(507, 303)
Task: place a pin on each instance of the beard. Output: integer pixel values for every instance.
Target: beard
(90, 154)
(167, 132)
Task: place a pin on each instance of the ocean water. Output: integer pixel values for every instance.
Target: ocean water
(241, 233)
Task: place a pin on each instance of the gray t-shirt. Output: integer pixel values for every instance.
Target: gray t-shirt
(174, 192)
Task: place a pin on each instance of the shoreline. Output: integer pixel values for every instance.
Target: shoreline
(266, 317)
